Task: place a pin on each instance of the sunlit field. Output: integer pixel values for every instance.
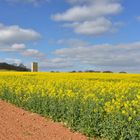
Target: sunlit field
(98, 105)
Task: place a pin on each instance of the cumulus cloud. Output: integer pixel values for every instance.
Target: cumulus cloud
(18, 46)
(56, 63)
(70, 42)
(89, 17)
(32, 53)
(96, 27)
(90, 1)
(22, 50)
(13, 39)
(13, 48)
(11, 60)
(115, 57)
(88, 12)
(14, 33)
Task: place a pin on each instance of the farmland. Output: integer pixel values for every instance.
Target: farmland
(98, 105)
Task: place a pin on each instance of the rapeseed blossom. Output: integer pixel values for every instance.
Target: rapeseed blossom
(95, 104)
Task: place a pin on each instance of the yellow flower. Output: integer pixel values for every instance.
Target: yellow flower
(129, 118)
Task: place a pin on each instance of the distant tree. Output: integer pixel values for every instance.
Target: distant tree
(7, 66)
(73, 71)
(122, 72)
(91, 70)
(22, 65)
(15, 64)
(107, 72)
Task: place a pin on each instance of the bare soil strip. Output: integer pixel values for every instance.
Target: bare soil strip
(17, 124)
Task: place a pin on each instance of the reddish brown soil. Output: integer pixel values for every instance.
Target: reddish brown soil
(17, 124)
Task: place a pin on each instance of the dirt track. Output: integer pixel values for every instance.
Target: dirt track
(17, 124)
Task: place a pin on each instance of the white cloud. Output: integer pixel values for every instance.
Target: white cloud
(89, 17)
(13, 48)
(15, 34)
(104, 56)
(70, 42)
(88, 12)
(11, 60)
(90, 1)
(13, 39)
(32, 53)
(56, 64)
(18, 46)
(95, 27)
(22, 50)
(78, 1)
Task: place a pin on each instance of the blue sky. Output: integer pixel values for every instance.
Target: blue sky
(71, 34)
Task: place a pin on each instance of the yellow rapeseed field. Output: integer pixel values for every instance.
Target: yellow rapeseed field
(104, 105)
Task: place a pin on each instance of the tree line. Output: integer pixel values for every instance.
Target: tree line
(20, 67)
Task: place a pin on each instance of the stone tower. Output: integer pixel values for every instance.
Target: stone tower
(34, 67)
